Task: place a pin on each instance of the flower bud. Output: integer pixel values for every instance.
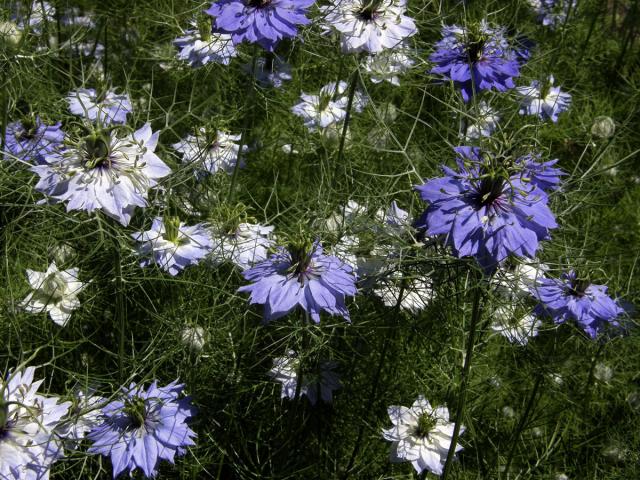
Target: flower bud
(603, 127)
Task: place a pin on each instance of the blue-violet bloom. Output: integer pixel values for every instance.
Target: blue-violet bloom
(31, 139)
(199, 46)
(105, 108)
(543, 100)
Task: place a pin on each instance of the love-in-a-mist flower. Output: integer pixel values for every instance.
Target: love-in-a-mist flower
(475, 58)
(388, 65)
(573, 298)
(36, 16)
(264, 22)
(481, 123)
(369, 25)
(515, 325)
(211, 151)
(513, 281)
(543, 100)
(31, 139)
(552, 13)
(84, 415)
(545, 175)
(199, 46)
(55, 292)
(485, 212)
(103, 171)
(319, 380)
(421, 435)
(244, 244)
(143, 427)
(104, 108)
(327, 108)
(300, 275)
(28, 444)
(173, 245)
(271, 71)
(414, 294)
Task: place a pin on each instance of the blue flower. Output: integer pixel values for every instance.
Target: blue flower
(265, 22)
(31, 139)
(572, 298)
(475, 58)
(199, 46)
(485, 212)
(173, 245)
(545, 101)
(105, 109)
(300, 275)
(143, 427)
(543, 174)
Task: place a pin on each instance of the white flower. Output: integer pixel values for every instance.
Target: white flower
(343, 219)
(211, 152)
(516, 282)
(28, 446)
(543, 100)
(417, 293)
(55, 292)
(365, 265)
(198, 50)
(40, 13)
(514, 326)
(484, 124)
(420, 435)
(603, 127)
(317, 380)
(193, 337)
(105, 108)
(109, 173)
(602, 372)
(73, 17)
(388, 65)
(247, 245)
(84, 415)
(10, 33)
(369, 25)
(329, 107)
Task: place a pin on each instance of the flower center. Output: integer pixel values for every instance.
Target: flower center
(136, 410)
(425, 426)
(370, 11)
(489, 191)
(579, 288)
(172, 229)
(4, 418)
(475, 43)
(259, 3)
(29, 130)
(97, 152)
(300, 252)
(546, 88)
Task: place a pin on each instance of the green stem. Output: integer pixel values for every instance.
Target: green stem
(587, 387)
(353, 83)
(476, 314)
(523, 421)
(120, 312)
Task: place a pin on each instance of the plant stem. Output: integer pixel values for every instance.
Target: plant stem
(353, 83)
(476, 314)
(523, 421)
(587, 387)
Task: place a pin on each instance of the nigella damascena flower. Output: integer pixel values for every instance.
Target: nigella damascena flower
(54, 291)
(475, 58)
(198, 46)
(37, 15)
(552, 13)
(327, 108)
(104, 172)
(414, 294)
(420, 435)
(31, 139)
(318, 379)
(300, 275)
(543, 174)
(84, 416)
(369, 25)
(483, 124)
(572, 298)
(543, 100)
(264, 22)
(484, 213)
(105, 108)
(516, 326)
(28, 444)
(142, 427)
(513, 281)
(269, 72)
(211, 152)
(244, 245)
(173, 245)
(388, 65)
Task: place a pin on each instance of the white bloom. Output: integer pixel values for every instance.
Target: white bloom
(516, 282)
(55, 292)
(484, 125)
(289, 150)
(247, 245)
(543, 100)
(73, 17)
(344, 219)
(193, 337)
(421, 435)
(602, 372)
(105, 108)
(417, 293)
(111, 174)
(41, 13)
(317, 380)
(198, 50)
(28, 446)
(329, 107)
(84, 415)
(10, 33)
(515, 327)
(603, 127)
(369, 25)
(365, 265)
(388, 65)
(211, 152)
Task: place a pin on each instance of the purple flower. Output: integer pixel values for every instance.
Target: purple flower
(173, 245)
(300, 275)
(143, 427)
(572, 298)
(30, 140)
(106, 108)
(552, 13)
(545, 101)
(265, 22)
(475, 58)
(198, 46)
(483, 213)
(542, 174)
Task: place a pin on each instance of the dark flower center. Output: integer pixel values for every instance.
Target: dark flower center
(475, 43)
(425, 426)
(370, 11)
(97, 152)
(489, 190)
(29, 130)
(300, 252)
(4, 418)
(136, 410)
(579, 288)
(259, 3)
